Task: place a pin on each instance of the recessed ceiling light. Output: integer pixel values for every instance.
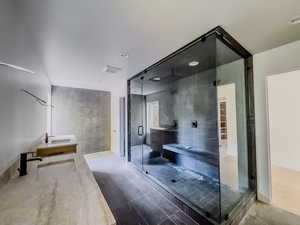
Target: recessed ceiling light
(194, 63)
(295, 20)
(124, 55)
(155, 78)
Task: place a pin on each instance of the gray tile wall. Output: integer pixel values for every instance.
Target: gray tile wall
(84, 113)
(191, 98)
(137, 118)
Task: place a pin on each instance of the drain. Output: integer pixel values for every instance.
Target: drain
(174, 181)
(207, 214)
(226, 217)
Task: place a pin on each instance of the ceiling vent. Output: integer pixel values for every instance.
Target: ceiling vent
(112, 69)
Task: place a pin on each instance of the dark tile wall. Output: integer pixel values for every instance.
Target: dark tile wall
(138, 118)
(191, 99)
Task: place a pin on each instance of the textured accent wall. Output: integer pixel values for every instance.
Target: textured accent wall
(84, 113)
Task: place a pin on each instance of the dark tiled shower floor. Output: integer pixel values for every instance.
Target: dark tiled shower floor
(200, 190)
(194, 188)
(132, 198)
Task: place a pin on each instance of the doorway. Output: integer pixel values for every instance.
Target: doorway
(228, 146)
(283, 95)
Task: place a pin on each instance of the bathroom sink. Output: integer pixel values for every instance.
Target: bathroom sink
(60, 141)
(58, 145)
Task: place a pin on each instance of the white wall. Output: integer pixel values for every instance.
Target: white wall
(115, 114)
(284, 121)
(279, 60)
(22, 120)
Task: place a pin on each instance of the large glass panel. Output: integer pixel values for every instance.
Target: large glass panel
(189, 126)
(137, 108)
(181, 149)
(234, 183)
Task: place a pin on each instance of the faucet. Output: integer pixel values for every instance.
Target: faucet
(24, 160)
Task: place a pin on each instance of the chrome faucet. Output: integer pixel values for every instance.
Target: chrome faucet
(24, 160)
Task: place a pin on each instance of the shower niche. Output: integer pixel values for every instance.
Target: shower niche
(191, 127)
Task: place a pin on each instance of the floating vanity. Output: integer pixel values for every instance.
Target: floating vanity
(58, 190)
(57, 145)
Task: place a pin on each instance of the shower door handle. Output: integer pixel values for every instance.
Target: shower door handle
(140, 130)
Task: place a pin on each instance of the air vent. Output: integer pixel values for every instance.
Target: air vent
(112, 69)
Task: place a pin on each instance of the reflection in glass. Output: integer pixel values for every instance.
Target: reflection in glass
(137, 113)
(232, 123)
(192, 111)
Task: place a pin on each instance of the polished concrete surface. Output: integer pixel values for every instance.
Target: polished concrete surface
(60, 190)
(84, 113)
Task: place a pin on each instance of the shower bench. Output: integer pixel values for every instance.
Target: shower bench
(203, 162)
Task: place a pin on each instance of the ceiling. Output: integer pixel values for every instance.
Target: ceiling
(76, 39)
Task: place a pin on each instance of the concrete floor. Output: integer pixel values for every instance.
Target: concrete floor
(263, 214)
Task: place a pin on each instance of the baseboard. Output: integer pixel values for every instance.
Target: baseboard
(263, 198)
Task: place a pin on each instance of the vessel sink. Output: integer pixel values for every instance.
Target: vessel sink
(59, 141)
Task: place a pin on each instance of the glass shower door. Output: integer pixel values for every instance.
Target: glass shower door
(190, 118)
(232, 121)
(137, 113)
(181, 148)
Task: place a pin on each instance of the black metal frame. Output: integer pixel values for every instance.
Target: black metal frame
(229, 41)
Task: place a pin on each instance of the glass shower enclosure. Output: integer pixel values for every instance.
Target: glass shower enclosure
(187, 125)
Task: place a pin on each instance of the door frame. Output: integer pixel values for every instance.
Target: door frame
(268, 143)
(122, 120)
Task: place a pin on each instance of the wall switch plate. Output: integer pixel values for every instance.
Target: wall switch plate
(194, 124)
